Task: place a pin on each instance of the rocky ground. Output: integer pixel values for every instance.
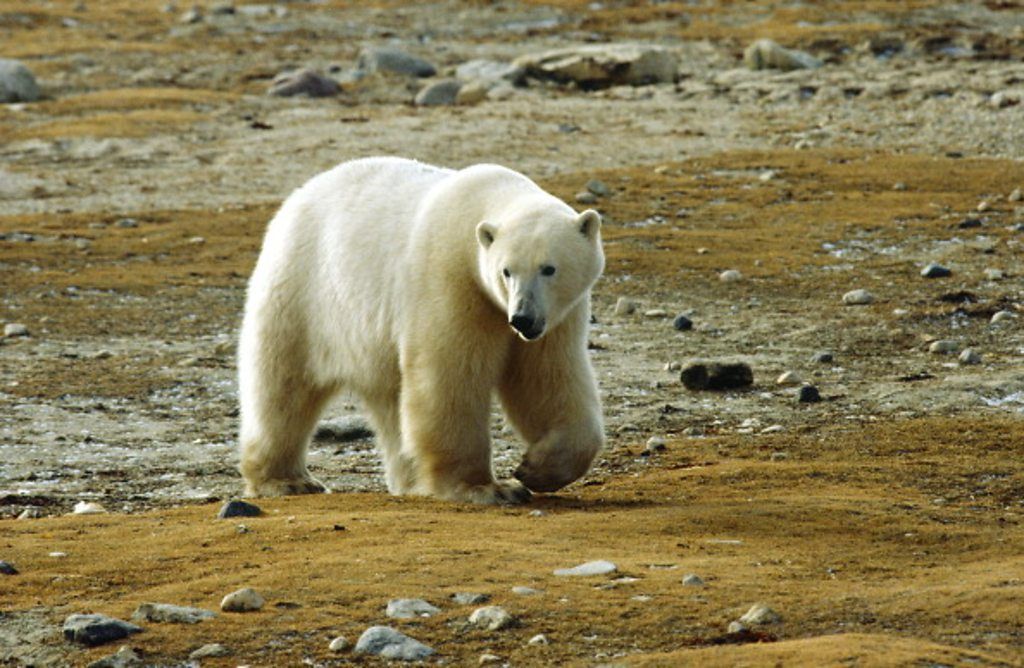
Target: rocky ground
(881, 524)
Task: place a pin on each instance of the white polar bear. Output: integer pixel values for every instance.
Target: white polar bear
(423, 290)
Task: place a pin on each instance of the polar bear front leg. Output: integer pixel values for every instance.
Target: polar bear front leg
(445, 430)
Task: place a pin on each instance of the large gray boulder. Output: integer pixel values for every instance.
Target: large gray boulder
(16, 82)
(602, 65)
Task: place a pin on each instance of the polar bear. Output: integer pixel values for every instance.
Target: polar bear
(423, 291)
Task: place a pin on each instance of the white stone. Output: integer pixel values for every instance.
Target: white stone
(767, 54)
(486, 659)
(760, 614)
(993, 274)
(655, 444)
(1015, 196)
(736, 627)
(655, 313)
(339, 644)
(539, 639)
(599, 567)
(525, 591)
(858, 298)
(408, 608)
(1002, 316)
(492, 618)
(943, 347)
(604, 65)
(88, 508)
(243, 600)
(692, 580)
(625, 306)
(386, 642)
(788, 378)
(968, 356)
(13, 329)
(730, 276)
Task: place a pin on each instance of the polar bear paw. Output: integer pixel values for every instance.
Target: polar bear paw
(286, 487)
(498, 493)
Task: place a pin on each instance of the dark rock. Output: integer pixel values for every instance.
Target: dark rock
(933, 270)
(92, 630)
(717, 376)
(809, 395)
(682, 323)
(126, 657)
(303, 82)
(343, 429)
(968, 223)
(237, 508)
(7, 568)
(394, 60)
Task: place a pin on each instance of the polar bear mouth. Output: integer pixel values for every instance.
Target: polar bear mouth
(528, 328)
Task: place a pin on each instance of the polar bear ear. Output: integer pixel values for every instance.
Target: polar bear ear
(485, 233)
(589, 223)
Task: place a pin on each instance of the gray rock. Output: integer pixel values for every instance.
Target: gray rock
(470, 598)
(539, 639)
(13, 329)
(210, 650)
(175, 614)
(943, 347)
(383, 59)
(682, 323)
(789, 378)
(305, 81)
(409, 608)
(858, 298)
(717, 376)
(585, 197)
(92, 630)
(691, 580)
(969, 356)
(16, 82)
(730, 276)
(386, 642)
(243, 600)
(823, 357)
(343, 429)
(599, 567)
(194, 15)
(598, 188)
(736, 627)
(237, 508)
(7, 568)
(1002, 316)
(655, 444)
(935, 270)
(438, 94)
(625, 306)
(760, 614)
(602, 65)
(122, 658)
(339, 644)
(471, 93)
(490, 72)
(520, 590)
(492, 618)
(767, 54)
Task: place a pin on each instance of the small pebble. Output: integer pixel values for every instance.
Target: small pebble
(539, 639)
(809, 395)
(655, 444)
(691, 580)
(237, 508)
(673, 366)
(702, 251)
(210, 650)
(943, 347)
(823, 357)
(599, 567)
(13, 329)
(625, 306)
(525, 591)
(487, 659)
(586, 197)
(339, 644)
(858, 298)
(598, 188)
(243, 600)
(537, 513)
(773, 429)
(7, 568)
(760, 614)
(655, 313)
(409, 608)
(470, 598)
(933, 270)
(788, 378)
(682, 324)
(983, 206)
(968, 356)
(993, 274)
(88, 508)
(730, 276)
(1002, 316)
(779, 456)
(492, 618)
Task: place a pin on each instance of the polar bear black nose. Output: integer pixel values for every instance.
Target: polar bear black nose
(525, 325)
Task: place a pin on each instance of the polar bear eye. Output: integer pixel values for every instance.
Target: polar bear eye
(547, 270)
(506, 273)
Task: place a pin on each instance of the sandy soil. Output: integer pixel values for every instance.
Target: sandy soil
(883, 523)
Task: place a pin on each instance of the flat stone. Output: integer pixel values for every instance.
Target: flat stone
(175, 614)
(470, 598)
(788, 378)
(339, 644)
(730, 276)
(1015, 195)
(969, 356)
(16, 82)
(1002, 316)
(210, 650)
(603, 65)
(92, 630)
(808, 394)
(767, 54)
(934, 270)
(490, 72)
(243, 600)
(598, 187)
(858, 298)
(655, 313)
(471, 93)
(492, 618)
(384, 59)
(682, 324)
(943, 347)
(525, 591)
(599, 567)
(716, 376)
(760, 614)
(993, 274)
(343, 429)
(736, 627)
(823, 357)
(691, 580)
(585, 197)
(125, 657)
(88, 508)
(487, 659)
(13, 329)
(438, 94)
(238, 508)
(7, 568)
(409, 608)
(539, 639)
(305, 81)
(386, 642)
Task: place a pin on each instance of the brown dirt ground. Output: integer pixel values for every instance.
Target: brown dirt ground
(883, 536)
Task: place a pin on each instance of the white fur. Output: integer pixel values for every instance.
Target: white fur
(377, 277)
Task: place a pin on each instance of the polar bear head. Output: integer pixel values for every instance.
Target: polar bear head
(538, 261)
